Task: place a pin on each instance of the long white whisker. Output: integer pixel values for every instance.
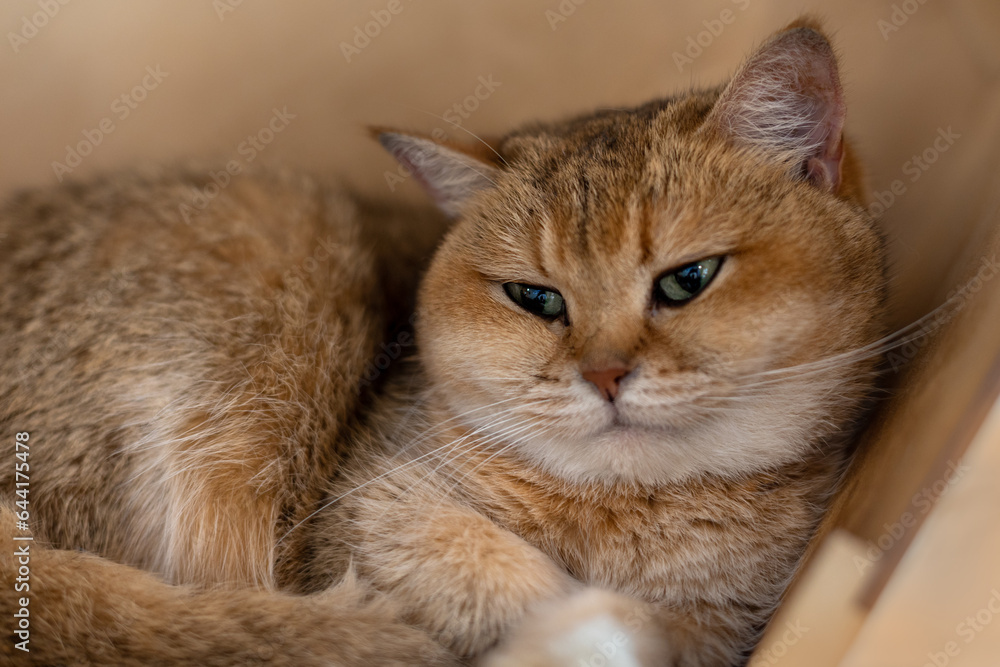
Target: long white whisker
(412, 462)
(467, 131)
(475, 444)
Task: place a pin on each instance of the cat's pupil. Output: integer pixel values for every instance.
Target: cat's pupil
(690, 278)
(678, 287)
(539, 301)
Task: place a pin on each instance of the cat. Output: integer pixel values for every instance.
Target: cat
(642, 347)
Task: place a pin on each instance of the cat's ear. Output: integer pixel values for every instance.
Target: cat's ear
(786, 99)
(450, 173)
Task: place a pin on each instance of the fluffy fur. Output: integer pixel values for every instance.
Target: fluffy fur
(210, 418)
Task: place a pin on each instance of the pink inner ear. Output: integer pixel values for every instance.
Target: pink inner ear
(824, 171)
(450, 177)
(412, 164)
(820, 85)
(787, 100)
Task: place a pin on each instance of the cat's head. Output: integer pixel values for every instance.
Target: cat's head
(649, 294)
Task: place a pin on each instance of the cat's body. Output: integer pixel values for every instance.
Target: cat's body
(187, 397)
(210, 416)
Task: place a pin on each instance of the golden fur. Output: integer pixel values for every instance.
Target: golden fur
(213, 417)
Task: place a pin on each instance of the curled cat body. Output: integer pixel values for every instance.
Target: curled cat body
(642, 347)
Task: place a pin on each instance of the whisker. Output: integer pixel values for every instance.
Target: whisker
(897, 339)
(445, 424)
(479, 465)
(412, 462)
(467, 131)
(476, 444)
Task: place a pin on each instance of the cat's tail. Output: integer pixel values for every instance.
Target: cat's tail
(68, 607)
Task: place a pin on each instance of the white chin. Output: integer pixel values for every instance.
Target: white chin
(617, 454)
(653, 457)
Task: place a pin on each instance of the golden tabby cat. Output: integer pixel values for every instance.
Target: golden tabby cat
(643, 344)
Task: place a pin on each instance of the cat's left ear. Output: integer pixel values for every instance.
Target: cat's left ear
(786, 99)
(450, 173)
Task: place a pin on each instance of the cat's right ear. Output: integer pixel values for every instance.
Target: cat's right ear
(787, 101)
(449, 173)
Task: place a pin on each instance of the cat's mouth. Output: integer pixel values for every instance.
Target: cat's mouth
(624, 426)
(621, 424)
(625, 417)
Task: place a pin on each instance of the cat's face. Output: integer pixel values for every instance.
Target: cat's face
(619, 301)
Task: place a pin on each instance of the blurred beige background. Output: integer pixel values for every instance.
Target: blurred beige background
(923, 86)
(229, 63)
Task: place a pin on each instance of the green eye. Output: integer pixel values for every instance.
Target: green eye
(681, 285)
(545, 303)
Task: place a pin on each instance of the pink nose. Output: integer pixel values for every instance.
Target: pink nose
(606, 380)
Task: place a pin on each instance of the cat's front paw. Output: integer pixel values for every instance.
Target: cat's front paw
(592, 627)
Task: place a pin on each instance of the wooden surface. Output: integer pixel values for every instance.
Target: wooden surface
(936, 409)
(941, 605)
(818, 624)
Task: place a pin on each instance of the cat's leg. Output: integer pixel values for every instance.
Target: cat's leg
(473, 584)
(86, 609)
(452, 571)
